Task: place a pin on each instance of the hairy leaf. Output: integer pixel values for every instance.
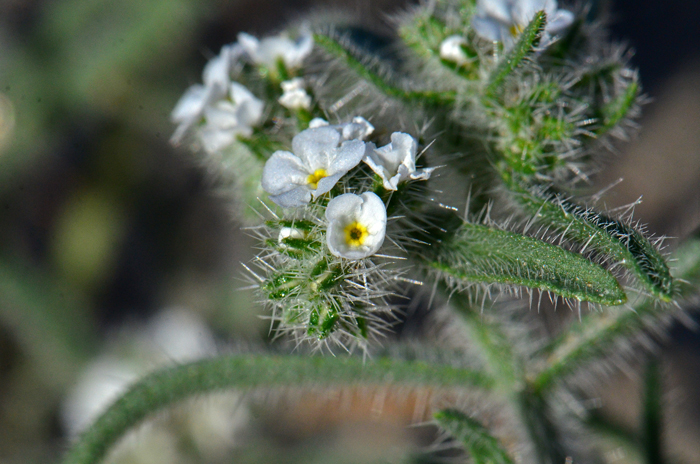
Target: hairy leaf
(481, 254)
(483, 447)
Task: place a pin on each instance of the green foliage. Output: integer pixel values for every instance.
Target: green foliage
(512, 130)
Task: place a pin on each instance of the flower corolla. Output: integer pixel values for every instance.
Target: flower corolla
(356, 225)
(359, 128)
(451, 49)
(319, 158)
(269, 50)
(504, 20)
(294, 96)
(216, 77)
(229, 118)
(396, 162)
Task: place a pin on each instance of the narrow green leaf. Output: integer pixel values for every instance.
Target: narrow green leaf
(597, 332)
(612, 238)
(496, 349)
(172, 385)
(524, 47)
(617, 110)
(481, 254)
(483, 447)
(427, 97)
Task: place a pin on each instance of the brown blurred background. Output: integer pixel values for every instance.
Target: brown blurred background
(105, 227)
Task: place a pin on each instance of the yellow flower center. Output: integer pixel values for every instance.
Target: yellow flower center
(314, 178)
(355, 234)
(516, 29)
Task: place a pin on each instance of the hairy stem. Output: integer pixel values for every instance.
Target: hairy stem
(167, 387)
(427, 97)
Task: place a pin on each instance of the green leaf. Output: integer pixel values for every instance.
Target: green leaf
(612, 238)
(597, 332)
(169, 386)
(523, 48)
(483, 447)
(481, 254)
(496, 349)
(428, 97)
(617, 110)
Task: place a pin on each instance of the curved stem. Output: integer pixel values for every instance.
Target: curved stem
(427, 97)
(167, 387)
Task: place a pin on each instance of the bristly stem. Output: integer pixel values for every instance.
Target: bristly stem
(169, 386)
(427, 97)
(524, 47)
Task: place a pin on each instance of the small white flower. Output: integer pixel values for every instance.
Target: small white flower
(294, 96)
(504, 20)
(359, 128)
(318, 161)
(271, 49)
(216, 77)
(226, 119)
(356, 225)
(396, 162)
(451, 49)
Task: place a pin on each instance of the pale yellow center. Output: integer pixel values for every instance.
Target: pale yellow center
(516, 29)
(314, 178)
(355, 234)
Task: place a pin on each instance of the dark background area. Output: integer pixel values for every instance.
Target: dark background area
(104, 224)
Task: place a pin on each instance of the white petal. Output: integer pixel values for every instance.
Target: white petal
(294, 198)
(347, 156)
(314, 146)
(359, 128)
(422, 174)
(218, 69)
(559, 21)
(499, 10)
(283, 172)
(395, 161)
(296, 99)
(487, 28)
(190, 104)
(367, 210)
(451, 49)
(249, 43)
(317, 122)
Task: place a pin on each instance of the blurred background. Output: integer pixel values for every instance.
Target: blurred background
(117, 255)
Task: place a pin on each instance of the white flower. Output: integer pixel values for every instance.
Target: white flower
(359, 128)
(216, 77)
(294, 96)
(226, 119)
(271, 49)
(504, 20)
(451, 49)
(318, 161)
(396, 162)
(356, 225)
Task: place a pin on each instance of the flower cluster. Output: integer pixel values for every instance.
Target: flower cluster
(503, 20)
(321, 279)
(320, 157)
(222, 109)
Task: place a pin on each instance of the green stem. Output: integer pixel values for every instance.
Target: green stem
(167, 387)
(428, 98)
(496, 349)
